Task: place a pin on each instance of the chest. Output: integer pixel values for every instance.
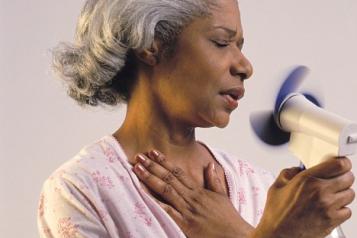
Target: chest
(198, 174)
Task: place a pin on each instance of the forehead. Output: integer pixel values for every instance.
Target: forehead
(225, 10)
(224, 13)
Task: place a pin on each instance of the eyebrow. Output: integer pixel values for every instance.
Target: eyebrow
(228, 30)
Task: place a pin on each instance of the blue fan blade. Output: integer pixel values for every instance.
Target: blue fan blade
(264, 126)
(290, 85)
(313, 99)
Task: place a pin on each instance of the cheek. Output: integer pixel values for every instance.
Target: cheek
(217, 59)
(206, 62)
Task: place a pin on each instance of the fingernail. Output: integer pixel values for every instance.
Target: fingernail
(215, 168)
(155, 153)
(140, 168)
(141, 158)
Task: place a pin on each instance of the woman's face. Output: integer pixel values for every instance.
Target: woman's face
(201, 82)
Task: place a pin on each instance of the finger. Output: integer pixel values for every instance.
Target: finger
(330, 168)
(344, 214)
(342, 182)
(165, 175)
(286, 175)
(164, 190)
(212, 180)
(161, 159)
(344, 198)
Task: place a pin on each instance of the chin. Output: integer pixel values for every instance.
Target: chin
(222, 125)
(221, 122)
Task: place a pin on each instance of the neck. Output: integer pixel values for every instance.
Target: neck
(148, 126)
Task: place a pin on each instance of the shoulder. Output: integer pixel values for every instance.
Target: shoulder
(91, 168)
(71, 199)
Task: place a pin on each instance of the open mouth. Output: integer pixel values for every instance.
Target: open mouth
(231, 95)
(234, 93)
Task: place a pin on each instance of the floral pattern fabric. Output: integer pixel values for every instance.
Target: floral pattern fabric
(96, 194)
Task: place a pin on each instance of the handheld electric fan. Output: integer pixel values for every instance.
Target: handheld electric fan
(313, 134)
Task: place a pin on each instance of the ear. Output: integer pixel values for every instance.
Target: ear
(151, 55)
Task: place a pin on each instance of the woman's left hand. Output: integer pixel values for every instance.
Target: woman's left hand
(197, 211)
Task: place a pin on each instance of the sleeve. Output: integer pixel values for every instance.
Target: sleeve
(66, 210)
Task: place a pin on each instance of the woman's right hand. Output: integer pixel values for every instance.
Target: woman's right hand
(309, 203)
(199, 212)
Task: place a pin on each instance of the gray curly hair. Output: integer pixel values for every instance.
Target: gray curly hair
(99, 68)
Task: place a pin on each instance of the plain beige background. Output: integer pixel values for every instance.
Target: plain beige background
(40, 127)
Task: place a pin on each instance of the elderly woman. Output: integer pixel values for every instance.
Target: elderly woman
(178, 65)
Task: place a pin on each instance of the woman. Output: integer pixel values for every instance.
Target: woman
(177, 65)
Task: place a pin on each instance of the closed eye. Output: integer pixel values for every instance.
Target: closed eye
(221, 44)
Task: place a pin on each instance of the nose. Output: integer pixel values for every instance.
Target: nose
(241, 66)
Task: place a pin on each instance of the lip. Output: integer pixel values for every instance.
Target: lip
(236, 93)
(230, 102)
(232, 95)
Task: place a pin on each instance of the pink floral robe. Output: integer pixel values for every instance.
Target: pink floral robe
(96, 194)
